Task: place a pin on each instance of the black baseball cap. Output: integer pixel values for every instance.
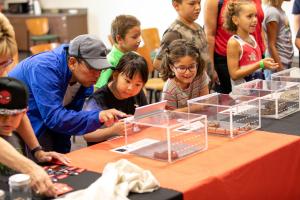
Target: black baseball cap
(91, 49)
(13, 96)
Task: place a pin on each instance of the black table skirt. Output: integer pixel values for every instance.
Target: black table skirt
(86, 178)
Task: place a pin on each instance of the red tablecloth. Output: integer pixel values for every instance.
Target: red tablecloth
(258, 165)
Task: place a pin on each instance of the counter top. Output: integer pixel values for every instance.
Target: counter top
(51, 12)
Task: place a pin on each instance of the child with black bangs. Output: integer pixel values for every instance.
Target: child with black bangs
(124, 93)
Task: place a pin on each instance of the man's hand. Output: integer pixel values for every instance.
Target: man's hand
(43, 156)
(41, 183)
(108, 117)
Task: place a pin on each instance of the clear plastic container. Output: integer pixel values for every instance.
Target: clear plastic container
(278, 98)
(164, 135)
(228, 115)
(19, 187)
(290, 75)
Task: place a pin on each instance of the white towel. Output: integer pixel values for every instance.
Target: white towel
(118, 179)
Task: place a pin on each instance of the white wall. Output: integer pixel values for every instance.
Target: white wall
(151, 13)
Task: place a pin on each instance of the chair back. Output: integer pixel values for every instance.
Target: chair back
(144, 51)
(43, 47)
(151, 38)
(37, 26)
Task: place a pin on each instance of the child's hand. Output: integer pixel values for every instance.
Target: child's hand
(270, 64)
(119, 128)
(109, 117)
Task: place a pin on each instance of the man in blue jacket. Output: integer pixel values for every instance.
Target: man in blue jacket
(58, 83)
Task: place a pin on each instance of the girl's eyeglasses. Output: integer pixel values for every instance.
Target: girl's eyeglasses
(6, 63)
(182, 68)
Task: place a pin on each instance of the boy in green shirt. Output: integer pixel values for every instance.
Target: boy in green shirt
(126, 34)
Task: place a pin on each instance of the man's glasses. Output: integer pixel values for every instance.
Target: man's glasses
(6, 63)
(182, 68)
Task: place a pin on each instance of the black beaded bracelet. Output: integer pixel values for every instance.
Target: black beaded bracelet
(36, 149)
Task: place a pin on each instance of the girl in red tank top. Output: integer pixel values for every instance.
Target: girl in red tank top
(243, 54)
(222, 36)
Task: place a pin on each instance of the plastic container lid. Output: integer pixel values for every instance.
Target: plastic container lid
(19, 179)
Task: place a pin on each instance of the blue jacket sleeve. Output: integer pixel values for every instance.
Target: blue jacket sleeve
(48, 88)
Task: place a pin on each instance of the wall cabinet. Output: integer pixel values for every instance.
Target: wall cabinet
(63, 23)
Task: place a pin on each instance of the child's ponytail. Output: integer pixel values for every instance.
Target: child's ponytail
(166, 71)
(233, 8)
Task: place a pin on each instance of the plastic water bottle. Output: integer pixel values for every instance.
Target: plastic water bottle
(19, 187)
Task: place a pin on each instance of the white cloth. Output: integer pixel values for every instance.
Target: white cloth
(118, 179)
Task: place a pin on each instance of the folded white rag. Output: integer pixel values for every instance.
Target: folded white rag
(118, 179)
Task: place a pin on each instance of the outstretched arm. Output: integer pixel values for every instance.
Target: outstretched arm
(103, 134)
(40, 180)
(237, 72)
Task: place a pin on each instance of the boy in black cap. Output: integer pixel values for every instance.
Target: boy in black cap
(58, 83)
(13, 106)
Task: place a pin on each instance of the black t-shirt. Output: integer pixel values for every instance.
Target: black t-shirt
(16, 141)
(106, 100)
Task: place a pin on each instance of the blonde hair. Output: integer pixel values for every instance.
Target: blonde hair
(274, 3)
(8, 45)
(233, 8)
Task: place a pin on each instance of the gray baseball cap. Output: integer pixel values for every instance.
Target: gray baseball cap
(91, 49)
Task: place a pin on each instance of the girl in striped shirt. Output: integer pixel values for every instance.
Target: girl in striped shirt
(183, 69)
